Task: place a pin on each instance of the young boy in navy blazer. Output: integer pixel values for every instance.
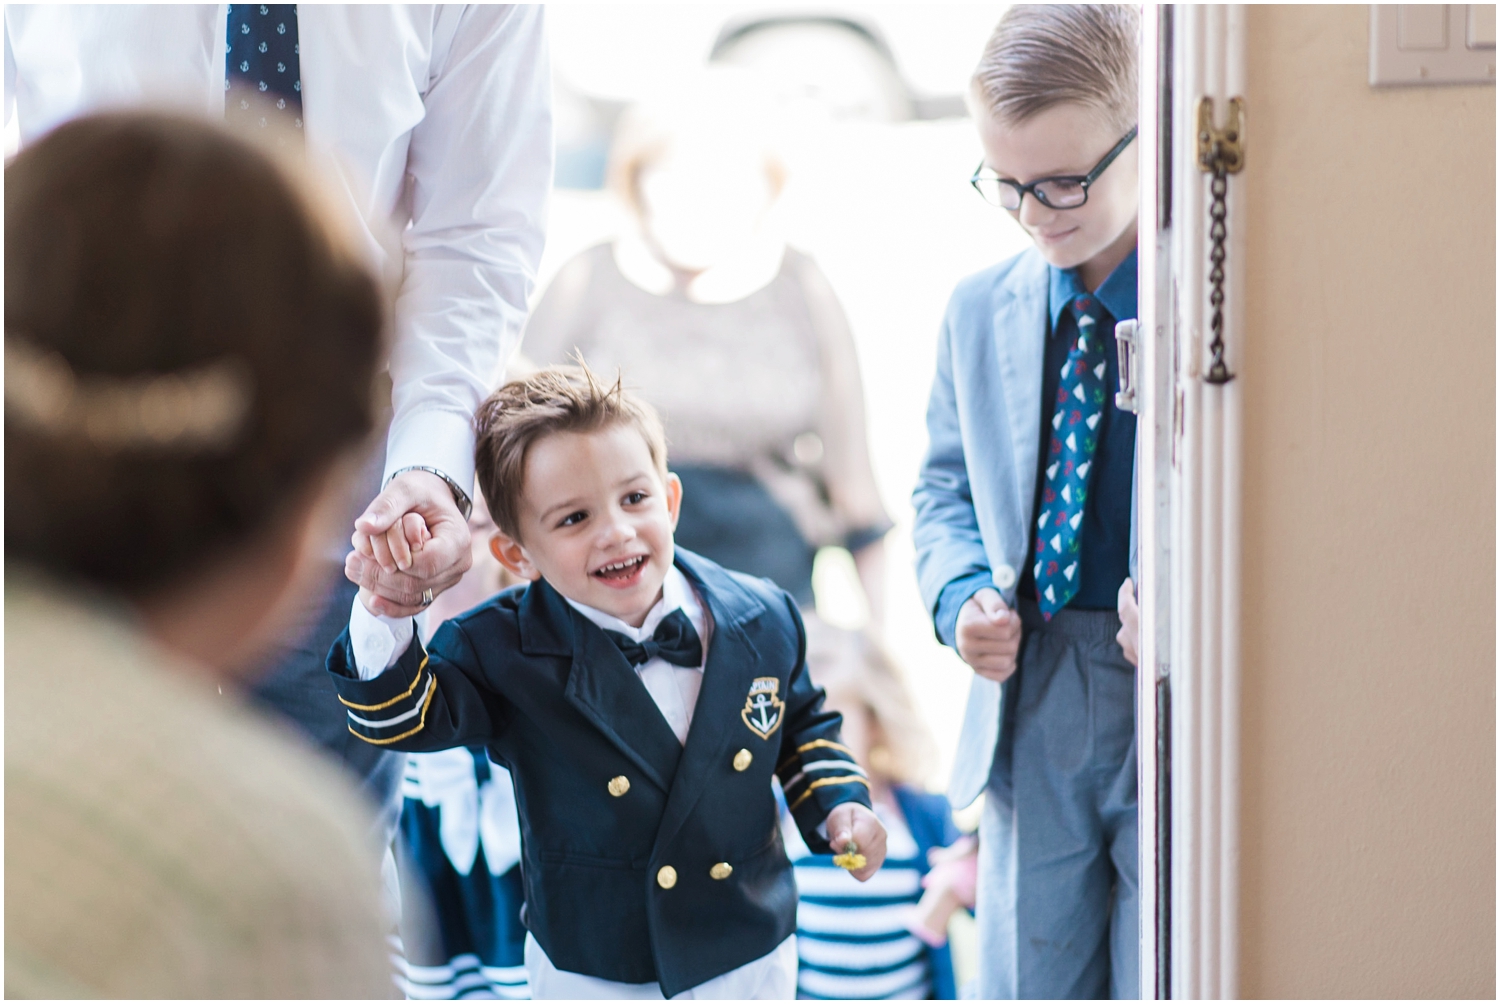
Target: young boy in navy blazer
(642, 699)
(1024, 508)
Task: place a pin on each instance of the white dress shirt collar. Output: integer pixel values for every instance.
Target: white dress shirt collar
(676, 592)
(673, 689)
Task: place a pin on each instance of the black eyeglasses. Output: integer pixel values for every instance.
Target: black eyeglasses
(1068, 191)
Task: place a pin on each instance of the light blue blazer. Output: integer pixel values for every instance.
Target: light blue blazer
(975, 495)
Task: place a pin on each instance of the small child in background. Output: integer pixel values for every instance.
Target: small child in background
(459, 850)
(459, 842)
(858, 941)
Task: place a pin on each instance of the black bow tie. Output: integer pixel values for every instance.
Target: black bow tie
(674, 640)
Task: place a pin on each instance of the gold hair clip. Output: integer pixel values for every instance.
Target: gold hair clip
(192, 410)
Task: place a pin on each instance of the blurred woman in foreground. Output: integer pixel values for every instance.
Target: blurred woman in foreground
(189, 353)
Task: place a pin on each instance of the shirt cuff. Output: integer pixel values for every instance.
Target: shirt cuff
(954, 595)
(433, 438)
(378, 642)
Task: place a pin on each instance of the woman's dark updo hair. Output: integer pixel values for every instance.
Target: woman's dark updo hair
(189, 345)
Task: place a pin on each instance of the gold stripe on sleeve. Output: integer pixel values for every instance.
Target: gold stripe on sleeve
(421, 723)
(847, 779)
(815, 744)
(395, 700)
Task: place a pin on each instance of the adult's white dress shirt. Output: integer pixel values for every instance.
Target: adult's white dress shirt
(435, 119)
(378, 643)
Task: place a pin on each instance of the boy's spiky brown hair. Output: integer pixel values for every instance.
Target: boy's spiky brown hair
(554, 399)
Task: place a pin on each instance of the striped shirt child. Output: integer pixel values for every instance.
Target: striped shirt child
(852, 941)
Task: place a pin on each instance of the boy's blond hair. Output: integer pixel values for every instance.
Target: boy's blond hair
(1042, 55)
(554, 399)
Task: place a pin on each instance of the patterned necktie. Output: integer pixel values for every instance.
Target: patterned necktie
(674, 639)
(1070, 458)
(262, 57)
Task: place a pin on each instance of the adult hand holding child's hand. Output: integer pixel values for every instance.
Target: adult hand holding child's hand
(852, 822)
(411, 539)
(988, 635)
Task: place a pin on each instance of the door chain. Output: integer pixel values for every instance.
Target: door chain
(1220, 153)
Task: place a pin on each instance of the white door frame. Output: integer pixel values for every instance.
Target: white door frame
(1189, 523)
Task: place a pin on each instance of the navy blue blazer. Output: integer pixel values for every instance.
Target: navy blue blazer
(644, 860)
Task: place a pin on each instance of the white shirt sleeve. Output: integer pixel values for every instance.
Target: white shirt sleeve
(457, 153)
(377, 641)
(479, 171)
(10, 80)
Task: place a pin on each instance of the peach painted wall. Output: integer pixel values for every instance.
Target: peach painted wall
(1368, 813)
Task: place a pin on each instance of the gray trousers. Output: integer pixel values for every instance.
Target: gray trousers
(1058, 894)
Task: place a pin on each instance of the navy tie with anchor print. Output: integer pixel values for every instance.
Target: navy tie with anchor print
(262, 66)
(1070, 459)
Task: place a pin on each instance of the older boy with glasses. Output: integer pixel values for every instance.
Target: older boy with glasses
(1024, 508)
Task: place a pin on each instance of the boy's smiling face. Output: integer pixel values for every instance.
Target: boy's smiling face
(1069, 139)
(596, 520)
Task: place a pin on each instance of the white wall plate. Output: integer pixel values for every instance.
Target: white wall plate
(1432, 44)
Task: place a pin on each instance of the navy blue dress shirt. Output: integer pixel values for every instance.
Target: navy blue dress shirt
(1104, 548)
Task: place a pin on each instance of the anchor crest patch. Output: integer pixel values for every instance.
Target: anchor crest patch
(762, 712)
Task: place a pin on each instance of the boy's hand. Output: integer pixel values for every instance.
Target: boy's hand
(1130, 623)
(988, 636)
(397, 546)
(852, 821)
(381, 540)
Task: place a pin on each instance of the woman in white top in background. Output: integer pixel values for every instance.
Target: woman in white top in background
(736, 338)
